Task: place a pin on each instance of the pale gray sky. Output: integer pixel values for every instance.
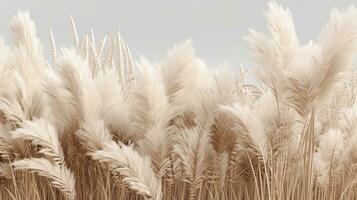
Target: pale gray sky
(152, 27)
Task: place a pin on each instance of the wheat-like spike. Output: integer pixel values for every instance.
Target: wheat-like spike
(82, 49)
(129, 62)
(53, 45)
(95, 64)
(120, 55)
(92, 38)
(135, 169)
(108, 59)
(86, 48)
(102, 45)
(60, 177)
(41, 133)
(75, 34)
(123, 60)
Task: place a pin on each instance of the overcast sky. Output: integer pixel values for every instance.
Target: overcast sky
(151, 27)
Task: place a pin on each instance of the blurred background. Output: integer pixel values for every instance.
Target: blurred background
(153, 27)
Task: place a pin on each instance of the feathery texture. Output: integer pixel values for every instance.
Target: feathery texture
(93, 135)
(248, 126)
(135, 169)
(60, 177)
(196, 154)
(41, 133)
(95, 126)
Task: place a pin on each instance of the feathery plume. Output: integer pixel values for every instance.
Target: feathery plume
(328, 155)
(196, 156)
(41, 133)
(59, 176)
(135, 169)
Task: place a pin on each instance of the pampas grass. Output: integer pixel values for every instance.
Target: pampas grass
(60, 177)
(89, 123)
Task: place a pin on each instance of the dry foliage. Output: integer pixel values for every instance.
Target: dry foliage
(88, 124)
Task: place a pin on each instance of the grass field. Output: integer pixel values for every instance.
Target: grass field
(90, 123)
